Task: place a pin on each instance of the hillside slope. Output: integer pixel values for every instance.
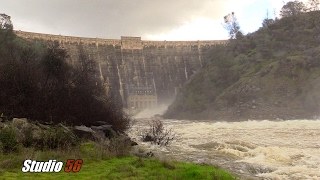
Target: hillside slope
(269, 74)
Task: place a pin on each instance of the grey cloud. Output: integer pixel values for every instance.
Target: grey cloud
(109, 18)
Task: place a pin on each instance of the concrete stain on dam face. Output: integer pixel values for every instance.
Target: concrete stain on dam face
(163, 66)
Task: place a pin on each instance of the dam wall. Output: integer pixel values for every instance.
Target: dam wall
(164, 65)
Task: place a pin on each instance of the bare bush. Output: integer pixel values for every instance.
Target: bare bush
(158, 134)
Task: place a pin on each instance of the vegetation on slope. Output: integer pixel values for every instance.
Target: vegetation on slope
(271, 73)
(39, 82)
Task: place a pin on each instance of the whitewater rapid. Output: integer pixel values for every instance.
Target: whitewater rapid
(250, 149)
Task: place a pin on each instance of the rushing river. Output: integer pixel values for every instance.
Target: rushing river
(249, 149)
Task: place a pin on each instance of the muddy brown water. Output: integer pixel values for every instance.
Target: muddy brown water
(250, 149)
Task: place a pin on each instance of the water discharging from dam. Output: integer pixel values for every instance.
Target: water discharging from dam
(250, 149)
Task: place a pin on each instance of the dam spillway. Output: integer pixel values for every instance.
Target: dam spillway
(130, 61)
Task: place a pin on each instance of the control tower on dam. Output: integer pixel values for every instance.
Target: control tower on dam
(160, 67)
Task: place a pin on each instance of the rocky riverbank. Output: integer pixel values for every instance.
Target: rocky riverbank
(18, 132)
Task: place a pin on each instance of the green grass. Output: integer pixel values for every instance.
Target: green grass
(128, 168)
(97, 166)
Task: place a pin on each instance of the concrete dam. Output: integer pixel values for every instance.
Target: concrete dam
(140, 74)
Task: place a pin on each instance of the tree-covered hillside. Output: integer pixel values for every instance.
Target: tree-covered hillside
(269, 74)
(39, 82)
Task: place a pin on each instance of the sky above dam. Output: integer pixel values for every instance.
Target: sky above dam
(149, 19)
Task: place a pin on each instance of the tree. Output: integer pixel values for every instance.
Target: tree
(313, 5)
(313, 8)
(54, 63)
(5, 22)
(231, 24)
(292, 8)
(267, 22)
(6, 29)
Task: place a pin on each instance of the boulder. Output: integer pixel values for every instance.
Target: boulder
(19, 122)
(83, 132)
(99, 135)
(106, 129)
(103, 127)
(127, 140)
(99, 123)
(41, 126)
(66, 130)
(37, 134)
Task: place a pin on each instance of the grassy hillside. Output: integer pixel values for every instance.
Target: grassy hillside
(269, 74)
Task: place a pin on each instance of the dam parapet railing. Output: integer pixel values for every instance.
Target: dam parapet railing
(126, 42)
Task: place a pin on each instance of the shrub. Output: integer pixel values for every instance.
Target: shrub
(158, 134)
(28, 140)
(55, 138)
(8, 139)
(119, 147)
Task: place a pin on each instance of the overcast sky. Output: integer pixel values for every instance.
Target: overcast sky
(149, 19)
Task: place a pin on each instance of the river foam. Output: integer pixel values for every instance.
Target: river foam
(251, 149)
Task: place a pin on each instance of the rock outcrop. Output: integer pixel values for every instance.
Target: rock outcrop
(31, 133)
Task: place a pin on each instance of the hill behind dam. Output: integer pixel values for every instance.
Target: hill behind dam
(273, 73)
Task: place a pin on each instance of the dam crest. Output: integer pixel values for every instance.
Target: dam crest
(126, 42)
